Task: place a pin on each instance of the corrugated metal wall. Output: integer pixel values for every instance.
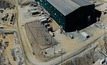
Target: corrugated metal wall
(55, 14)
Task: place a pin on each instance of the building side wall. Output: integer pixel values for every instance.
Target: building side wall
(55, 14)
(80, 18)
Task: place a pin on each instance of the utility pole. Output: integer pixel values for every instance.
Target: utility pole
(61, 56)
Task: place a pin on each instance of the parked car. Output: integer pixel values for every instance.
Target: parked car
(12, 20)
(33, 13)
(32, 9)
(34, 4)
(5, 16)
(103, 61)
(1, 10)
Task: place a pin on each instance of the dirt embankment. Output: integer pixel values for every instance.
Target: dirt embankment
(97, 50)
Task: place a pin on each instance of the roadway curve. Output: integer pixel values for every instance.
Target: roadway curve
(28, 50)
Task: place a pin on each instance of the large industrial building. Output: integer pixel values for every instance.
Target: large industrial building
(71, 15)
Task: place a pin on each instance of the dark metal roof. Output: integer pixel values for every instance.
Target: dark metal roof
(68, 6)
